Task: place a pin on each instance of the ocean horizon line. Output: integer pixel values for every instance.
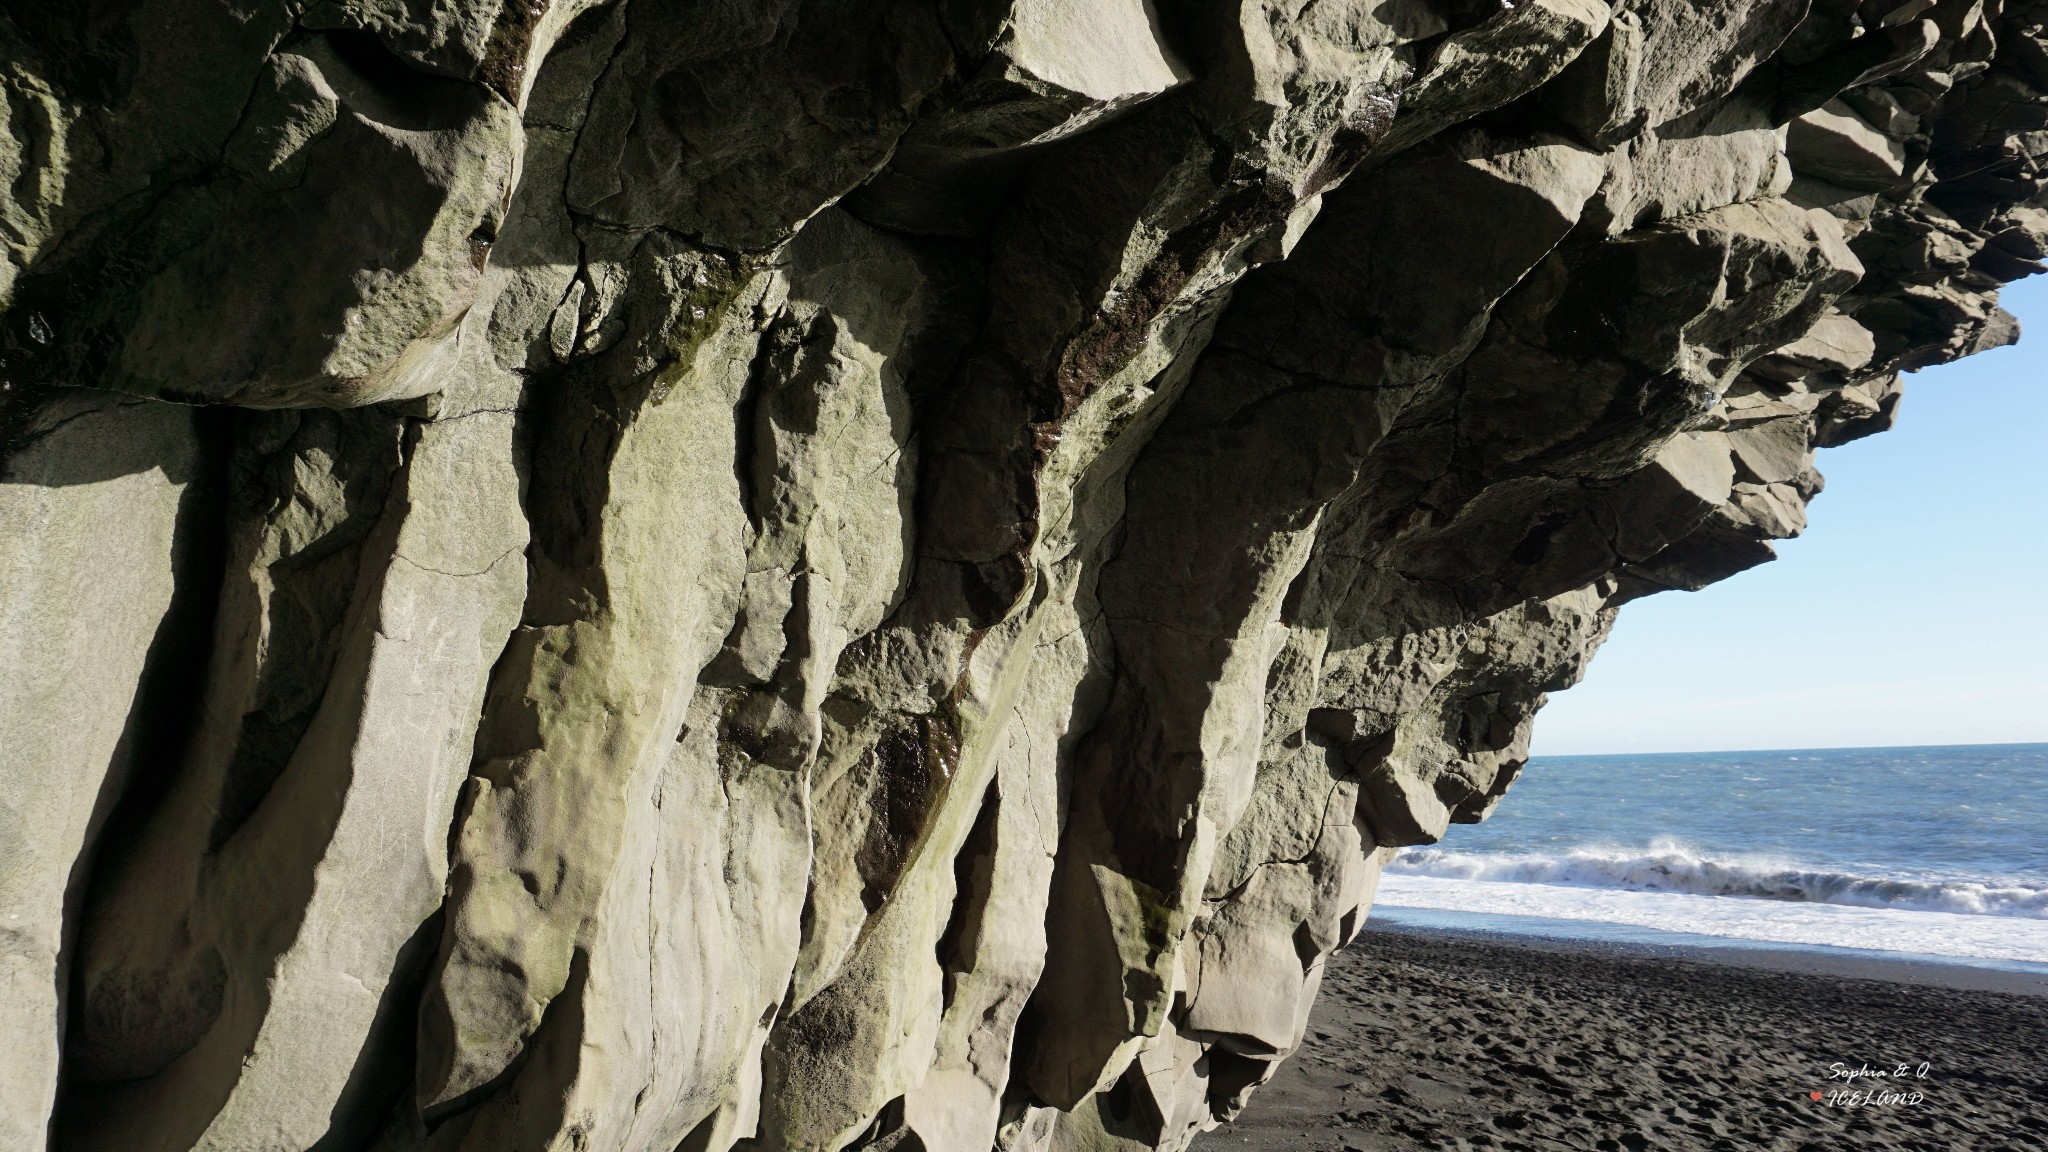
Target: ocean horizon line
(1536, 756)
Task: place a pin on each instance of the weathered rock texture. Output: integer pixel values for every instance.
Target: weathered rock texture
(650, 574)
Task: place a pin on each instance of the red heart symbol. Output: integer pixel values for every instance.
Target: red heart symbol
(1815, 1095)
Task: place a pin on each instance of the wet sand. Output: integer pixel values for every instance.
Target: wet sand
(1439, 1040)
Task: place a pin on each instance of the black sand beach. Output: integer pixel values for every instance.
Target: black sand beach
(1425, 1040)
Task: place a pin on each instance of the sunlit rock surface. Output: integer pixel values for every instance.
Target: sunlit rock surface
(816, 574)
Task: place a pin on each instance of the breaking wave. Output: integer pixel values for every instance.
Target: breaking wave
(1669, 866)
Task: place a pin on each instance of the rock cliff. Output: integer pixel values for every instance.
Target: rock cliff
(663, 575)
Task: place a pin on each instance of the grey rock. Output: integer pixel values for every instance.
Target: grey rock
(639, 576)
(103, 489)
(1833, 144)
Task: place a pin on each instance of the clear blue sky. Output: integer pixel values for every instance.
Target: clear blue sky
(1913, 611)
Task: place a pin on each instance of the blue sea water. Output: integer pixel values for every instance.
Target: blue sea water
(1934, 851)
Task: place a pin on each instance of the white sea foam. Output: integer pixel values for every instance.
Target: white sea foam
(1670, 866)
(1998, 938)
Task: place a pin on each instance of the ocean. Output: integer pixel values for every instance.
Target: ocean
(1930, 852)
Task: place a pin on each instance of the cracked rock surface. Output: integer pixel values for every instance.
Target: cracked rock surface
(665, 575)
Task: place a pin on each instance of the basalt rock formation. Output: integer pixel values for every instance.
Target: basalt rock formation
(662, 575)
